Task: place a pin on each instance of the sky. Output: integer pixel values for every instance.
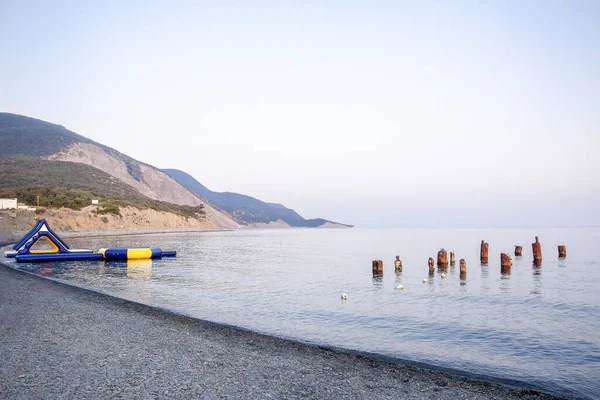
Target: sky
(373, 113)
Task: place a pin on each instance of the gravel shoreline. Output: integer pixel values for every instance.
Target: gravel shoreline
(61, 341)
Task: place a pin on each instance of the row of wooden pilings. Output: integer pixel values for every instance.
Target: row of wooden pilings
(442, 263)
(505, 259)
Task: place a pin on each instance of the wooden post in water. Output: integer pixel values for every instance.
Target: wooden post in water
(463, 269)
(562, 251)
(505, 263)
(505, 260)
(452, 258)
(483, 255)
(537, 252)
(377, 267)
(442, 258)
(431, 266)
(518, 251)
(398, 264)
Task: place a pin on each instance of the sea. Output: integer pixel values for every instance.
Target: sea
(537, 325)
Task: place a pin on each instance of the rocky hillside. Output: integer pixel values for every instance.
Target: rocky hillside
(25, 140)
(130, 219)
(247, 210)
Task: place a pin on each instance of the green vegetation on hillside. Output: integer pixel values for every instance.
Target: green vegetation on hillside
(75, 199)
(25, 171)
(74, 185)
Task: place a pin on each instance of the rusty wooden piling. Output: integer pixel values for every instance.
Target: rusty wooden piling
(442, 258)
(505, 263)
(562, 251)
(431, 266)
(518, 251)
(483, 254)
(398, 264)
(537, 252)
(452, 258)
(377, 267)
(463, 269)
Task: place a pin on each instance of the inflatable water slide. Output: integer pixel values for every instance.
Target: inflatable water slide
(57, 250)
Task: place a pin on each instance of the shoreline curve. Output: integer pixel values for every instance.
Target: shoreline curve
(446, 377)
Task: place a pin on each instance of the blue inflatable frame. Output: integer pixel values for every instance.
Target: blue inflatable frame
(60, 250)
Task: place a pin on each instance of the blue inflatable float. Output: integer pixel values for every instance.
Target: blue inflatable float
(23, 250)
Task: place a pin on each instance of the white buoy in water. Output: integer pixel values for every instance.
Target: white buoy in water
(399, 287)
(344, 296)
(425, 280)
(443, 275)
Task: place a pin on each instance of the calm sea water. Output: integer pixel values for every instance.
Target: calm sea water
(537, 325)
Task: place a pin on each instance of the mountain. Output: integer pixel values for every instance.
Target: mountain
(42, 155)
(45, 154)
(247, 210)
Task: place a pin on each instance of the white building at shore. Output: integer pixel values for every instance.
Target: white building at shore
(7, 204)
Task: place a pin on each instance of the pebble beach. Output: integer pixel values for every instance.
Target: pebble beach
(62, 341)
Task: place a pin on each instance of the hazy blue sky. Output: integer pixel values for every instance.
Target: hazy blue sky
(374, 113)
